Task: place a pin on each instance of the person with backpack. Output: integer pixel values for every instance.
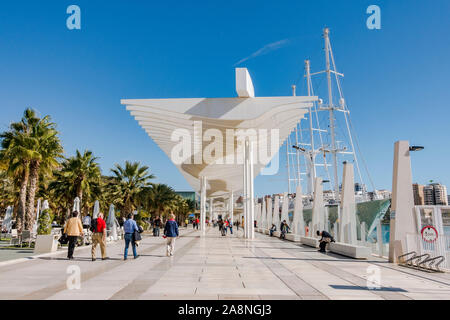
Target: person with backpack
(284, 228)
(98, 228)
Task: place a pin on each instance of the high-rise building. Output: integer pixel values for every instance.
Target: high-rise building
(428, 192)
(440, 194)
(419, 198)
(434, 194)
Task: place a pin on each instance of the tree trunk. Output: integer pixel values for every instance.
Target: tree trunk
(22, 197)
(34, 179)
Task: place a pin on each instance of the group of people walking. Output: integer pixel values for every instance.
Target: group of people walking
(224, 225)
(74, 229)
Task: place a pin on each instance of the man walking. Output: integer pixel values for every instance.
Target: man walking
(230, 225)
(73, 229)
(98, 228)
(129, 227)
(156, 226)
(171, 233)
(197, 222)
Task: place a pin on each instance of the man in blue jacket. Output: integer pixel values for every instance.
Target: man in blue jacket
(171, 233)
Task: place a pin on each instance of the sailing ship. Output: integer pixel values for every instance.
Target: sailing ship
(318, 146)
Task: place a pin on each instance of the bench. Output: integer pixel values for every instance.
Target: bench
(293, 237)
(310, 241)
(350, 250)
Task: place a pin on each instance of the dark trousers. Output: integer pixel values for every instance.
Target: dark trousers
(322, 246)
(72, 244)
(156, 231)
(129, 239)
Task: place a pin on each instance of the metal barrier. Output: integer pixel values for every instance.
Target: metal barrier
(423, 262)
(426, 256)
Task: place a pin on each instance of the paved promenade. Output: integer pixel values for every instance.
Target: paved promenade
(215, 267)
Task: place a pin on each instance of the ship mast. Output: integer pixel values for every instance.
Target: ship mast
(333, 150)
(312, 162)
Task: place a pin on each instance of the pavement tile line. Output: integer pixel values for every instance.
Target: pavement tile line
(343, 275)
(215, 267)
(49, 291)
(141, 285)
(409, 272)
(303, 286)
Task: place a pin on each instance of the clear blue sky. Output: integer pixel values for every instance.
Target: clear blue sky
(396, 80)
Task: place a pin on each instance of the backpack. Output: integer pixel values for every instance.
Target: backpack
(93, 226)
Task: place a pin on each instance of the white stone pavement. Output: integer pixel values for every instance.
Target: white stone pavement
(215, 267)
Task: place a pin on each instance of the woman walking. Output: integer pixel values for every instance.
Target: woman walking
(73, 230)
(171, 233)
(129, 227)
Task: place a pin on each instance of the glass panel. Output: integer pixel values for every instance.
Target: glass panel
(446, 221)
(426, 217)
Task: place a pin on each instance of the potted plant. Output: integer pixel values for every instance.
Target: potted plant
(46, 242)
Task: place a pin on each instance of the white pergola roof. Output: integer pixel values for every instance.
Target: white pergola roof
(160, 117)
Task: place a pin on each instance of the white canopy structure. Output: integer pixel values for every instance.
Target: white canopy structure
(200, 123)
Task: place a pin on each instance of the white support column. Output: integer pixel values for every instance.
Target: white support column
(276, 212)
(245, 192)
(348, 207)
(202, 204)
(211, 210)
(298, 221)
(231, 208)
(263, 214)
(403, 220)
(310, 234)
(249, 208)
(285, 208)
(269, 213)
(318, 208)
(326, 219)
(258, 215)
(363, 233)
(251, 190)
(335, 231)
(379, 239)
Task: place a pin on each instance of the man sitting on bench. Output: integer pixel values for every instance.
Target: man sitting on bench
(326, 238)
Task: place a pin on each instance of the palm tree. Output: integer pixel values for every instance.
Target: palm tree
(79, 177)
(161, 198)
(47, 149)
(16, 153)
(128, 184)
(8, 190)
